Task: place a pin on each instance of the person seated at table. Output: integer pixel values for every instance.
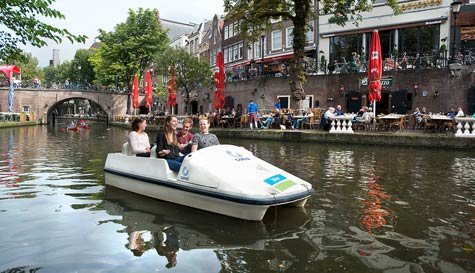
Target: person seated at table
(273, 118)
(203, 139)
(326, 118)
(418, 115)
(167, 144)
(460, 112)
(338, 111)
(361, 113)
(424, 110)
(451, 113)
(139, 142)
(287, 119)
(185, 137)
(306, 118)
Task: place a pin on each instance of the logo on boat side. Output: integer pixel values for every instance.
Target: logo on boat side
(237, 156)
(185, 173)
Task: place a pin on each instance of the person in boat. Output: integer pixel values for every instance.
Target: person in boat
(139, 142)
(82, 122)
(203, 139)
(167, 144)
(71, 125)
(185, 137)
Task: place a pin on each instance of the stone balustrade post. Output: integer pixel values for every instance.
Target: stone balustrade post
(465, 127)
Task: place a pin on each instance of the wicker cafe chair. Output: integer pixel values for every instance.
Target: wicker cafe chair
(398, 123)
(244, 121)
(429, 124)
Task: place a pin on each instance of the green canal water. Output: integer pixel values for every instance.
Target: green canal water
(375, 209)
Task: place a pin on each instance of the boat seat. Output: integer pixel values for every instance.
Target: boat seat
(126, 149)
(153, 152)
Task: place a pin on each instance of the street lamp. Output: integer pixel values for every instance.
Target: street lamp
(262, 53)
(416, 86)
(79, 76)
(455, 8)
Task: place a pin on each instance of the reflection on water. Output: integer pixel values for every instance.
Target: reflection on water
(375, 209)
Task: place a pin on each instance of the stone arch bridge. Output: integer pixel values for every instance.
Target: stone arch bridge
(42, 102)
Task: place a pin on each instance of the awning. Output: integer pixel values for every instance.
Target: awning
(268, 58)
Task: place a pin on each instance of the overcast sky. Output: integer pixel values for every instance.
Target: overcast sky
(87, 16)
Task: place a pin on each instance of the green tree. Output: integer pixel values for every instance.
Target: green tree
(29, 68)
(21, 25)
(58, 75)
(255, 19)
(191, 72)
(82, 69)
(129, 49)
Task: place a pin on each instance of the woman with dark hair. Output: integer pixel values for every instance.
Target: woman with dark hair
(167, 144)
(138, 139)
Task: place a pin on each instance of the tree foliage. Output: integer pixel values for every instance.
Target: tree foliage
(82, 69)
(191, 72)
(129, 49)
(29, 68)
(21, 25)
(255, 18)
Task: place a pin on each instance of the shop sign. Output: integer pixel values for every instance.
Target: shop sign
(384, 82)
(420, 4)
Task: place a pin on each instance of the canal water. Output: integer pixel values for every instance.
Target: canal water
(375, 209)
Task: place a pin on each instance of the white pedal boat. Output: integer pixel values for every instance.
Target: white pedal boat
(223, 179)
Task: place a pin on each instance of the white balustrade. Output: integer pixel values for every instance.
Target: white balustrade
(465, 127)
(341, 124)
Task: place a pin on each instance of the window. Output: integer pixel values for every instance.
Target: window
(289, 37)
(275, 20)
(26, 109)
(310, 33)
(276, 39)
(236, 28)
(226, 32)
(225, 54)
(233, 52)
(257, 50)
(308, 102)
(284, 101)
(249, 52)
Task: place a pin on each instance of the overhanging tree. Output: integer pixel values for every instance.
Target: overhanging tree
(130, 48)
(191, 72)
(255, 18)
(21, 25)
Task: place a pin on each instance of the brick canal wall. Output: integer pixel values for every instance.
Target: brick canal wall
(437, 89)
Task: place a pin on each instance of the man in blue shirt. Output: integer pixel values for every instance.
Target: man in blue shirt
(277, 104)
(338, 111)
(252, 112)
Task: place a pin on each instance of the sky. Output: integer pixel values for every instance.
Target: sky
(87, 16)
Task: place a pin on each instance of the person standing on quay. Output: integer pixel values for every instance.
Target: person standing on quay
(252, 112)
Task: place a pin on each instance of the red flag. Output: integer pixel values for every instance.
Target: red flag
(219, 77)
(375, 68)
(172, 87)
(135, 93)
(148, 89)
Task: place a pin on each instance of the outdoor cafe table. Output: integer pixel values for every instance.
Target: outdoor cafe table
(341, 124)
(439, 120)
(230, 120)
(387, 119)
